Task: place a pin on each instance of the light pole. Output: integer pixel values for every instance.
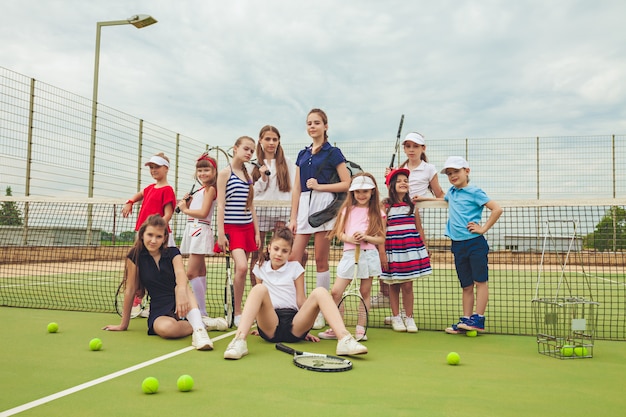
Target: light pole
(139, 21)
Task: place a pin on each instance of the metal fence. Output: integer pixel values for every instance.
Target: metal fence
(45, 148)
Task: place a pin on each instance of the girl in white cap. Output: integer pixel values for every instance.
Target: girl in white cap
(360, 226)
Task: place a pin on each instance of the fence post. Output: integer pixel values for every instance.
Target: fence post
(139, 150)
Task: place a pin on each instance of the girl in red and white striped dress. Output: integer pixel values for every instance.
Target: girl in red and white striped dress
(406, 257)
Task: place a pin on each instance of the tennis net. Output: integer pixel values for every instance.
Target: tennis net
(69, 255)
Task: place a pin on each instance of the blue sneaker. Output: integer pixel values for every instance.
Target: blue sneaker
(455, 329)
(475, 322)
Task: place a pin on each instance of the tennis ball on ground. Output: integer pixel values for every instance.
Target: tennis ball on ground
(150, 385)
(95, 344)
(567, 350)
(471, 333)
(453, 358)
(581, 351)
(184, 383)
(53, 327)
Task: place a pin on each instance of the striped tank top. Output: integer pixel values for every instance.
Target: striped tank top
(235, 211)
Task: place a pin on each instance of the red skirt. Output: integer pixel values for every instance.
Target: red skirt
(241, 236)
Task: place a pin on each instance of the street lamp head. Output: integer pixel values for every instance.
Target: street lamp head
(141, 20)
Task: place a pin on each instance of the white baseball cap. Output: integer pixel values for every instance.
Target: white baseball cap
(362, 182)
(415, 138)
(455, 162)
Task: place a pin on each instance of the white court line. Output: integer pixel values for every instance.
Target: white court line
(105, 378)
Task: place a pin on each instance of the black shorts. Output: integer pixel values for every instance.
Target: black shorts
(283, 329)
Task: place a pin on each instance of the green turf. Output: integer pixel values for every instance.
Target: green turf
(403, 375)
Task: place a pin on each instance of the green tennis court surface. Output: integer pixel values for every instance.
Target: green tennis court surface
(403, 375)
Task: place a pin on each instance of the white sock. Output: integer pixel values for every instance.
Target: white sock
(198, 285)
(323, 279)
(195, 319)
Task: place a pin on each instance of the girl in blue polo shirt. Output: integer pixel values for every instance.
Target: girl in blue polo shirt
(313, 191)
(469, 246)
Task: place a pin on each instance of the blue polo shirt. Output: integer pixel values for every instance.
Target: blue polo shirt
(464, 205)
(309, 164)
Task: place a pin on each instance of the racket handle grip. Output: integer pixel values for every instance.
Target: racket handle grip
(286, 349)
(177, 209)
(393, 158)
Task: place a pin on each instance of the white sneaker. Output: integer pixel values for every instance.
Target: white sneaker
(217, 323)
(236, 349)
(397, 324)
(411, 327)
(349, 346)
(201, 340)
(379, 301)
(388, 318)
(237, 320)
(319, 322)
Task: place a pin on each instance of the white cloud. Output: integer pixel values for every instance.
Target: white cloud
(218, 70)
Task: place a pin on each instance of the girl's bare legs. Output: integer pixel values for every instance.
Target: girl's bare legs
(407, 297)
(254, 256)
(240, 258)
(258, 306)
(366, 291)
(319, 301)
(394, 299)
(300, 243)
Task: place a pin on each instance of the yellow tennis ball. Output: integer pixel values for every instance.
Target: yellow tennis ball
(567, 350)
(95, 344)
(471, 333)
(150, 385)
(185, 383)
(453, 358)
(581, 351)
(53, 327)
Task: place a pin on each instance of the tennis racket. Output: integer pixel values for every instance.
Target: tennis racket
(229, 292)
(352, 307)
(397, 148)
(316, 361)
(258, 165)
(139, 304)
(192, 192)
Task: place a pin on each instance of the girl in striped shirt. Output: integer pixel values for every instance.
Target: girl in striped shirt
(237, 226)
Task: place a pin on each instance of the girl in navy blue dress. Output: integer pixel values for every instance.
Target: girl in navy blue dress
(152, 265)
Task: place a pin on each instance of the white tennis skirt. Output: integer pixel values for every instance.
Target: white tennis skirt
(306, 207)
(198, 239)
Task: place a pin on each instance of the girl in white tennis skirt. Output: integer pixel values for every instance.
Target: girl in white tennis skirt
(198, 239)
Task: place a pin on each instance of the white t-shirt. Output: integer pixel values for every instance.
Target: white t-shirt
(419, 179)
(280, 282)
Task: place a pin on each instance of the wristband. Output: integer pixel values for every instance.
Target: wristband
(131, 202)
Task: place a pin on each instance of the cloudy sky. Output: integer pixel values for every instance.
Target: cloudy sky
(220, 69)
